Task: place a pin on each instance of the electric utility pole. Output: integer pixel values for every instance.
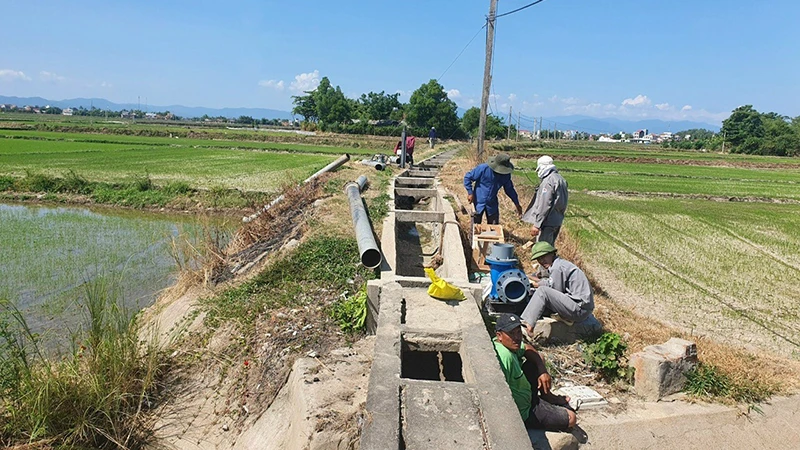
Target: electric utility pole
(487, 74)
(508, 134)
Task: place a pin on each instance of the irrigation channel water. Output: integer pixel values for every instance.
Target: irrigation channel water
(52, 255)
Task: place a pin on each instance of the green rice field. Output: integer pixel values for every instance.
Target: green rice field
(50, 253)
(202, 167)
(729, 269)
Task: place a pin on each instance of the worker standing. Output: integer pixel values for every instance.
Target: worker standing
(549, 203)
(432, 137)
(484, 182)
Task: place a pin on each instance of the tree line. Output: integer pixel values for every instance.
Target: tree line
(327, 108)
(746, 131)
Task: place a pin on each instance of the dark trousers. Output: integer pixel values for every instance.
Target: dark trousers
(548, 411)
(491, 220)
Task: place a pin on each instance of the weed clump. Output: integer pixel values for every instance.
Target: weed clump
(708, 381)
(607, 356)
(351, 313)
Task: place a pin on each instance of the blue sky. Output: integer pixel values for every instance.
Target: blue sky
(679, 59)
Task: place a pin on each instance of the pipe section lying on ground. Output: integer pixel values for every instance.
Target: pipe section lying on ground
(367, 248)
(341, 160)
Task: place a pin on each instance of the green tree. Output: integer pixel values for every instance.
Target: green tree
(495, 128)
(305, 106)
(471, 120)
(332, 106)
(430, 107)
(744, 129)
(379, 106)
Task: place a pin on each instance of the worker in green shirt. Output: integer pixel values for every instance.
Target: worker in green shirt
(523, 367)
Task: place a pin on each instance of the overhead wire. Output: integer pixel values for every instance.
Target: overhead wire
(462, 52)
(518, 9)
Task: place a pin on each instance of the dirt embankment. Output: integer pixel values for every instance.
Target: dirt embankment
(284, 376)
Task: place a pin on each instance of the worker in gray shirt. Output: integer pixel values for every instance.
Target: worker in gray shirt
(549, 204)
(565, 291)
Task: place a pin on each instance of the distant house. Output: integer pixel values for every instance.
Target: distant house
(127, 115)
(66, 112)
(606, 139)
(150, 115)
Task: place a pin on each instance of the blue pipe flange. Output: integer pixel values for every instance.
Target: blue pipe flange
(513, 286)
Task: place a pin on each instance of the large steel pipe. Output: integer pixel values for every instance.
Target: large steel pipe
(341, 160)
(367, 248)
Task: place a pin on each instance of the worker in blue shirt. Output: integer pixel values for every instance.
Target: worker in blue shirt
(484, 182)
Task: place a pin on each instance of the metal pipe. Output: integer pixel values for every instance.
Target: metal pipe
(367, 247)
(334, 165)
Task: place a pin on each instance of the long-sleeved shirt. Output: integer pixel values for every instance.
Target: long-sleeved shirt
(487, 184)
(550, 202)
(568, 278)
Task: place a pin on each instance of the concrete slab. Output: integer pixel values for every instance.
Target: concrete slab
(551, 330)
(694, 426)
(590, 398)
(425, 312)
(423, 173)
(419, 216)
(412, 182)
(545, 440)
(451, 407)
(415, 192)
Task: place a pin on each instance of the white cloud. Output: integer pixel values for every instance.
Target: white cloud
(50, 76)
(663, 106)
(453, 94)
(13, 75)
(305, 81)
(553, 99)
(106, 84)
(274, 84)
(512, 97)
(639, 100)
(686, 108)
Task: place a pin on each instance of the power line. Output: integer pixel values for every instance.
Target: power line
(519, 9)
(462, 52)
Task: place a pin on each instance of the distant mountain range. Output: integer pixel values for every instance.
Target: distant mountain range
(613, 125)
(579, 123)
(180, 110)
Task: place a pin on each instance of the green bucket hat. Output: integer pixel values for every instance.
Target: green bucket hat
(541, 248)
(501, 163)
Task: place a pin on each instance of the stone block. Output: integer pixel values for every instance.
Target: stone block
(548, 330)
(546, 440)
(660, 369)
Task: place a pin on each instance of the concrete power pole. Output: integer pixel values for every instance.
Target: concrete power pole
(487, 74)
(518, 116)
(508, 134)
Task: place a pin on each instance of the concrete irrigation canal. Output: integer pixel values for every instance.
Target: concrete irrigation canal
(435, 382)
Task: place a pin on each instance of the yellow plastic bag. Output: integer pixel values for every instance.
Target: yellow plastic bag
(441, 289)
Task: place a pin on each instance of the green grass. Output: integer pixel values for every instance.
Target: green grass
(630, 151)
(45, 139)
(200, 167)
(728, 268)
(95, 396)
(322, 264)
(706, 381)
(679, 179)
